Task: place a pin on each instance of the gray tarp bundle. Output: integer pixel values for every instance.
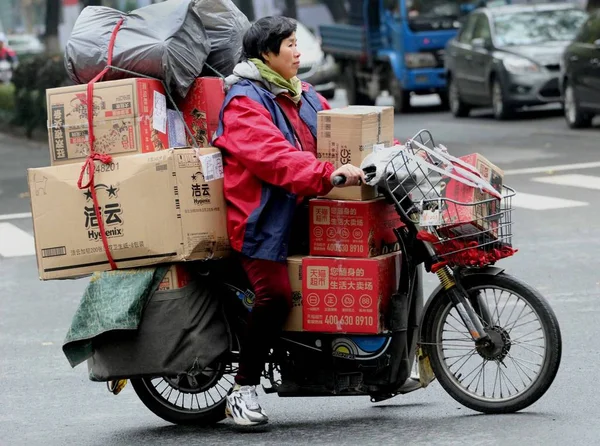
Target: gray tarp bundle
(171, 41)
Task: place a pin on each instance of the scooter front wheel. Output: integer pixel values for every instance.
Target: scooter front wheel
(517, 367)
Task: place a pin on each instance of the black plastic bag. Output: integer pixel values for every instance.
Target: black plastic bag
(181, 330)
(166, 40)
(225, 25)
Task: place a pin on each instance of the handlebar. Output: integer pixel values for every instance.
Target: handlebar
(339, 180)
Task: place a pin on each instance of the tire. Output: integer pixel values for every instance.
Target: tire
(575, 117)
(444, 100)
(151, 392)
(452, 382)
(458, 108)
(353, 96)
(502, 109)
(401, 96)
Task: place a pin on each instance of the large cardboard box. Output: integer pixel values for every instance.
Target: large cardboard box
(294, 321)
(342, 295)
(157, 208)
(347, 135)
(352, 228)
(466, 220)
(130, 116)
(201, 108)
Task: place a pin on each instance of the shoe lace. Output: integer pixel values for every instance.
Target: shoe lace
(250, 397)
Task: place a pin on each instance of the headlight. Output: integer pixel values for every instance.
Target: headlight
(520, 65)
(420, 60)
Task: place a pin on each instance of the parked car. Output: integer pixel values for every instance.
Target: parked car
(580, 75)
(315, 67)
(25, 44)
(509, 56)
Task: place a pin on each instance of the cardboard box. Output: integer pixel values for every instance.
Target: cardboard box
(158, 208)
(342, 295)
(347, 135)
(294, 321)
(201, 108)
(177, 277)
(130, 116)
(468, 220)
(352, 228)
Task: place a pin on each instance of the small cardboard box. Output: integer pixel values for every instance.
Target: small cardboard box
(201, 108)
(130, 116)
(157, 208)
(177, 277)
(347, 135)
(294, 321)
(342, 295)
(352, 228)
(473, 219)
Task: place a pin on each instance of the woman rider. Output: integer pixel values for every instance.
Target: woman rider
(267, 133)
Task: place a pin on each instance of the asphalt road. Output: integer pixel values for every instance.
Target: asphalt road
(45, 402)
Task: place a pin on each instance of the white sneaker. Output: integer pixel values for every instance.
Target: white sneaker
(243, 407)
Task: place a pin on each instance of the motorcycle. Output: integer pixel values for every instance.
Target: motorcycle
(491, 340)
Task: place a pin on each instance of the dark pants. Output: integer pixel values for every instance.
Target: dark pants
(272, 303)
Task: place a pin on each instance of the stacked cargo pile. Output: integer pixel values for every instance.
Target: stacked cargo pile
(125, 188)
(354, 264)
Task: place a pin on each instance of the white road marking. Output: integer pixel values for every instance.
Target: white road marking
(576, 180)
(15, 216)
(15, 242)
(556, 168)
(543, 203)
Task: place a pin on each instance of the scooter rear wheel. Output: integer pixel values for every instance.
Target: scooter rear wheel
(188, 399)
(525, 356)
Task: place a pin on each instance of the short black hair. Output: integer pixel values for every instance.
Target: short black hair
(266, 34)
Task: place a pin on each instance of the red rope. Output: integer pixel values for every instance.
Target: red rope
(89, 164)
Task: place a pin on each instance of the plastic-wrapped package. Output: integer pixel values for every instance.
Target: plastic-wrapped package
(166, 40)
(225, 25)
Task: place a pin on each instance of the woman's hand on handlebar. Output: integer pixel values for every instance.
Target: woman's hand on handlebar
(354, 176)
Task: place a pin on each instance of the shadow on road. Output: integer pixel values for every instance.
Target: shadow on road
(378, 424)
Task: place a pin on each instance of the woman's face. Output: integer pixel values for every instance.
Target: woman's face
(287, 61)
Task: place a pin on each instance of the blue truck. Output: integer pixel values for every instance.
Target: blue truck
(395, 46)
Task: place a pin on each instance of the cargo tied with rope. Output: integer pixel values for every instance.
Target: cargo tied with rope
(103, 128)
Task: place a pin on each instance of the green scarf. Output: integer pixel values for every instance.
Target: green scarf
(293, 86)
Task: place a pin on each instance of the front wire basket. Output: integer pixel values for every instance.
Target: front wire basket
(465, 226)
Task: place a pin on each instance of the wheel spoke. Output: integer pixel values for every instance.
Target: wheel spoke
(522, 364)
(466, 357)
(519, 367)
(525, 323)
(503, 309)
(530, 333)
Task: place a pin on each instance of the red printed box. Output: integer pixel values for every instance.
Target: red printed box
(352, 228)
(201, 108)
(473, 219)
(178, 276)
(129, 116)
(342, 295)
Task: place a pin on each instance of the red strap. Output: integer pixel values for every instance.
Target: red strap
(93, 156)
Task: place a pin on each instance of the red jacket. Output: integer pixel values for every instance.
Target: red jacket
(257, 154)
